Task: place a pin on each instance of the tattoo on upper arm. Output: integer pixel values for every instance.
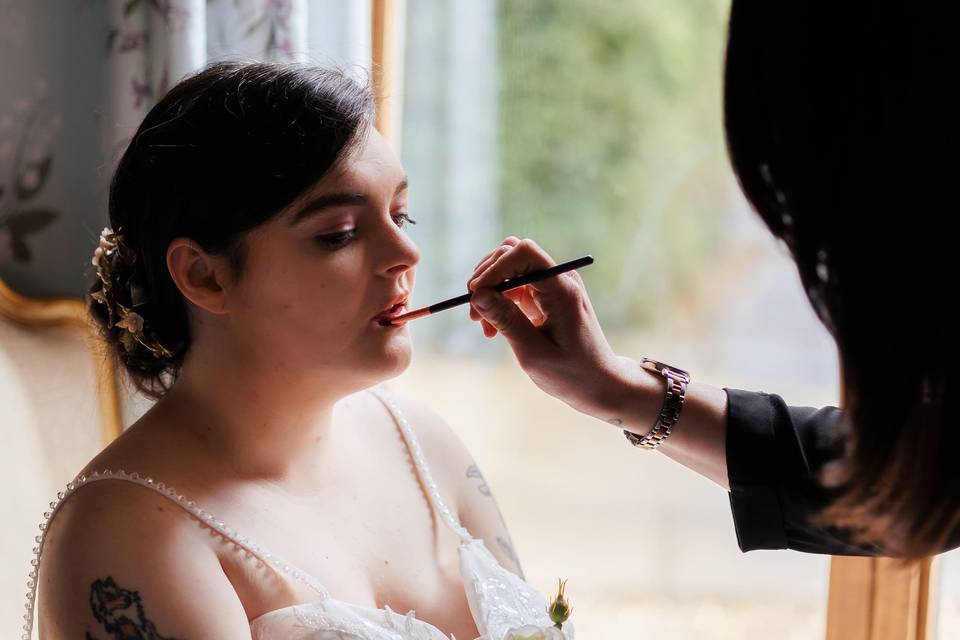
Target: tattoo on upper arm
(121, 612)
(507, 548)
(474, 472)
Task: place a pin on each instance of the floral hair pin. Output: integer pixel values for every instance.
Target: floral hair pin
(110, 252)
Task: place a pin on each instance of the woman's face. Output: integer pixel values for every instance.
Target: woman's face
(316, 276)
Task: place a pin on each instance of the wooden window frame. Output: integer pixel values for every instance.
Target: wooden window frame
(386, 43)
(881, 599)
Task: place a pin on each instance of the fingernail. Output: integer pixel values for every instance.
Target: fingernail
(483, 300)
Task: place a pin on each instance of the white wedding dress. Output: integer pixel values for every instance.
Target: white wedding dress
(499, 599)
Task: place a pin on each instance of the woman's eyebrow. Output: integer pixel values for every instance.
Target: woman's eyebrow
(320, 204)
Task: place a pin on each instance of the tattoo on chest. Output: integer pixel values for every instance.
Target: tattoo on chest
(474, 472)
(121, 612)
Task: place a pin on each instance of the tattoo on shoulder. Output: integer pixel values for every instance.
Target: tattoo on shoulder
(617, 422)
(473, 471)
(121, 612)
(507, 548)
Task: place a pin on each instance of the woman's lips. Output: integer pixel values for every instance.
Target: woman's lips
(393, 312)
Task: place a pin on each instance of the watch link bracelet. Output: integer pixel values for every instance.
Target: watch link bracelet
(677, 381)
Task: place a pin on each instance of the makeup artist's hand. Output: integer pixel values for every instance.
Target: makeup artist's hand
(551, 327)
(555, 334)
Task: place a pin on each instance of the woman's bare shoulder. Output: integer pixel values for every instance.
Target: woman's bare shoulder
(430, 426)
(445, 451)
(114, 510)
(455, 468)
(109, 514)
(114, 542)
(151, 448)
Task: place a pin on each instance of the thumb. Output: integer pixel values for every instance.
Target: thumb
(507, 318)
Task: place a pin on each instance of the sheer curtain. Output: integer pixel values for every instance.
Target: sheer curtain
(151, 44)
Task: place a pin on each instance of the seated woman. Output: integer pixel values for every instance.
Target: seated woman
(258, 236)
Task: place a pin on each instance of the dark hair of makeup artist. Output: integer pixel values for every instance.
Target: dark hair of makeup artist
(222, 152)
(838, 123)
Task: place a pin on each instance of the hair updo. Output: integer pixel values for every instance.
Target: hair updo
(222, 152)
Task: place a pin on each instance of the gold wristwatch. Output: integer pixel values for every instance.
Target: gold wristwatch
(677, 381)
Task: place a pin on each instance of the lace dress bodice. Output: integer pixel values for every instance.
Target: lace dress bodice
(499, 600)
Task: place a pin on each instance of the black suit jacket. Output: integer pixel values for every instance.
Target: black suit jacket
(774, 453)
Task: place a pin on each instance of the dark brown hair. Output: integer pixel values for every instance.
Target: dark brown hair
(838, 126)
(222, 152)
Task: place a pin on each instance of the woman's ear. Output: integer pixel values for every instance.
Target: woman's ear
(199, 275)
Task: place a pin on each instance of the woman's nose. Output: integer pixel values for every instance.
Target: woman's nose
(404, 253)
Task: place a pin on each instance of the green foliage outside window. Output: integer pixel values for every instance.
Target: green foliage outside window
(611, 141)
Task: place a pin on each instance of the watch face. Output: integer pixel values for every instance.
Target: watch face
(659, 367)
(683, 373)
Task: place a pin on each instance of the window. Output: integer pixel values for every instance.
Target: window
(596, 128)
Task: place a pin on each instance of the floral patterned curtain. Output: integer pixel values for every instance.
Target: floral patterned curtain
(80, 75)
(153, 43)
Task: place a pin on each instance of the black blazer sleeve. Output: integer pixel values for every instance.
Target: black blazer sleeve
(774, 453)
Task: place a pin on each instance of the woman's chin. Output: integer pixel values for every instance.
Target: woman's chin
(368, 360)
(391, 358)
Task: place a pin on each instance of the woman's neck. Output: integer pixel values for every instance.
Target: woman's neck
(273, 425)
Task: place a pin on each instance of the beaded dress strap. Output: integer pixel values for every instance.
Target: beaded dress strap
(171, 494)
(420, 462)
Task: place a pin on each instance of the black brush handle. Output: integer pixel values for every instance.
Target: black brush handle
(513, 283)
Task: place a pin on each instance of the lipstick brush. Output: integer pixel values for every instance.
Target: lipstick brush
(506, 285)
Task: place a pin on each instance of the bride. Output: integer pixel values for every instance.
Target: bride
(273, 490)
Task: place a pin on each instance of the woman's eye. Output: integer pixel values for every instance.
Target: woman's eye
(337, 240)
(343, 238)
(401, 219)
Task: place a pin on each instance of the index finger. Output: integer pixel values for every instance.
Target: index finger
(508, 242)
(524, 257)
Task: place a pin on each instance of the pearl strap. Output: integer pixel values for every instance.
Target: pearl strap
(170, 493)
(420, 461)
(208, 519)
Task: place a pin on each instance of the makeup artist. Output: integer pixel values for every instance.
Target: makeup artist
(842, 134)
